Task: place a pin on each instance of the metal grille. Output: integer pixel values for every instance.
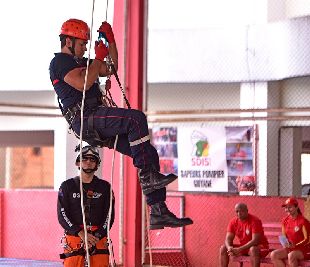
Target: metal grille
(233, 74)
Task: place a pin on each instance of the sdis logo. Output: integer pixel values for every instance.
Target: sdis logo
(201, 148)
(201, 162)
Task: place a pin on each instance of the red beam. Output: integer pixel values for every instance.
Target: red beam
(129, 25)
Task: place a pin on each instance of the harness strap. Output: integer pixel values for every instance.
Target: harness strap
(87, 207)
(89, 196)
(91, 103)
(90, 129)
(91, 136)
(96, 251)
(82, 252)
(79, 252)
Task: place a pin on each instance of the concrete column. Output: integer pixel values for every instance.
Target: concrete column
(290, 163)
(263, 95)
(254, 95)
(272, 135)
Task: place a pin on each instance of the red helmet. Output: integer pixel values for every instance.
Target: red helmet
(290, 201)
(76, 28)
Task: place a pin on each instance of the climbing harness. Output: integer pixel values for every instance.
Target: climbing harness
(90, 135)
(71, 251)
(79, 250)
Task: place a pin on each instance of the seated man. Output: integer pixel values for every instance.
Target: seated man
(249, 231)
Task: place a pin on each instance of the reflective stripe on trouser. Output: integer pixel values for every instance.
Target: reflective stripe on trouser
(140, 141)
(98, 260)
(131, 127)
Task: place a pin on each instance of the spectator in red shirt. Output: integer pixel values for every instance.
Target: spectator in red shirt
(296, 230)
(252, 241)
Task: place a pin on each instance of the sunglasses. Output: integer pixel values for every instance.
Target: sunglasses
(91, 159)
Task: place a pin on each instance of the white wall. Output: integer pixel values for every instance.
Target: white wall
(30, 32)
(175, 96)
(261, 52)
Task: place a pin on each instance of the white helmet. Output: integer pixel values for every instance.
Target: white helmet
(91, 151)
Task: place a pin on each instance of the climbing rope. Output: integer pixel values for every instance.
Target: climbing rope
(81, 139)
(147, 215)
(110, 102)
(107, 98)
(110, 246)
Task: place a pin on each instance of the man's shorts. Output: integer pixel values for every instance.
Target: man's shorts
(264, 250)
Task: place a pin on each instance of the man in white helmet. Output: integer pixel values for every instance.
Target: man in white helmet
(97, 194)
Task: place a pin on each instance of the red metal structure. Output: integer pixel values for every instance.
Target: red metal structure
(128, 28)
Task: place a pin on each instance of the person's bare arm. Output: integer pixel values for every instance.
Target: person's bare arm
(76, 77)
(254, 242)
(229, 241)
(305, 240)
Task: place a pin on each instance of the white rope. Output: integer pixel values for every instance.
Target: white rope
(106, 11)
(149, 234)
(111, 258)
(110, 246)
(81, 139)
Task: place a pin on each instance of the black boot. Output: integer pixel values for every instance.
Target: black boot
(152, 180)
(161, 217)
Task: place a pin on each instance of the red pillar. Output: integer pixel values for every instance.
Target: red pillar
(129, 28)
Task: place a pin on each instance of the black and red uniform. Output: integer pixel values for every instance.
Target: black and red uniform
(129, 124)
(103, 123)
(96, 206)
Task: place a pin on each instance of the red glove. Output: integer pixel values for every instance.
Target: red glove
(101, 50)
(107, 32)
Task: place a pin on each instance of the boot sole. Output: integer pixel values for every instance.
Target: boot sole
(156, 227)
(161, 226)
(167, 182)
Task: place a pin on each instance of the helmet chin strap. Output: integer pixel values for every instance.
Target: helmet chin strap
(71, 48)
(89, 170)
